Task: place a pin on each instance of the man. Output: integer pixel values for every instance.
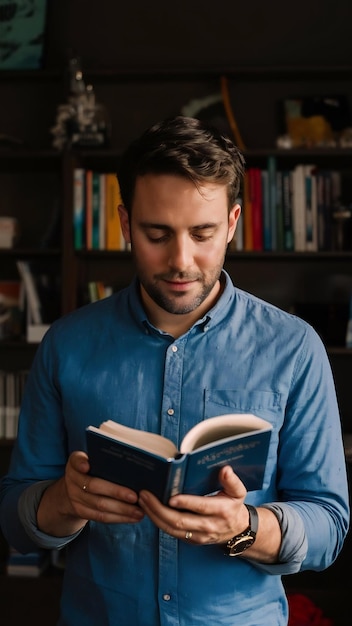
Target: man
(181, 344)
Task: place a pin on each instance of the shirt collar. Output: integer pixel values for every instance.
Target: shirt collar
(213, 316)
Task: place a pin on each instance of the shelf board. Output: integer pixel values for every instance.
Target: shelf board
(20, 253)
(253, 255)
(200, 72)
(190, 72)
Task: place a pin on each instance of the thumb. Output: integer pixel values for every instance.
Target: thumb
(231, 483)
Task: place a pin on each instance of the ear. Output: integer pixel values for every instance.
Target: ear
(233, 220)
(125, 223)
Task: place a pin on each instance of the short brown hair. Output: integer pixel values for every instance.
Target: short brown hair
(186, 147)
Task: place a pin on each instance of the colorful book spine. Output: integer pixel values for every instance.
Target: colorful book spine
(257, 208)
(102, 212)
(266, 211)
(311, 208)
(78, 208)
(95, 210)
(287, 210)
(247, 214)
(271, 165)
(89, 209)
(114, 239)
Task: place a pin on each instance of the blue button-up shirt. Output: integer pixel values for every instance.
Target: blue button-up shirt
(106, 361)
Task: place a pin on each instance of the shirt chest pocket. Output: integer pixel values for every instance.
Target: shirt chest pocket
(266, 404)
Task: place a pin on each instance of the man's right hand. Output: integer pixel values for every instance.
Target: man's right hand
(77, 497)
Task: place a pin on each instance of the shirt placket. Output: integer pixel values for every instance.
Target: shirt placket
(170, 424)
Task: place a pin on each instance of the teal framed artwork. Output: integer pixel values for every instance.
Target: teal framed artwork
(22, 34)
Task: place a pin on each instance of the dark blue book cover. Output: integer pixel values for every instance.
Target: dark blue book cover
(195, 471)
(127, 465)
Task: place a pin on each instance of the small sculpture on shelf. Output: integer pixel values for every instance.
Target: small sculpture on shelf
(82, 121)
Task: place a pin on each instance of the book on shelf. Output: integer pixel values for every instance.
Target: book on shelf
(266, 211)
(298, 206)
(30, 565)
(78, 208)
(247, 214)
(287, 219)
(96, 197)
(31, 291)
(311, 208)
(89, 209)
(102, 212)
(114, 237)
(279, 221)
(271, 167)
(144, 460)
(255, 183)
(12, 385)
(40, 302)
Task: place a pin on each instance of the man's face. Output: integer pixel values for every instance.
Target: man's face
(179, 236)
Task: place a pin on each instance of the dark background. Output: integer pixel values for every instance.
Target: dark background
(139, 34)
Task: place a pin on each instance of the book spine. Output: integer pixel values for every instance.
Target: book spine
(113, 226)
(247, 212)
(257, 209)
(78, 208)
(272, 201)
(89, 209)
(279, 212)
(311, 211)
(298, 203)
(95, 210)
(102, 212)
(266, 211)
(33, 301)
(176, 477)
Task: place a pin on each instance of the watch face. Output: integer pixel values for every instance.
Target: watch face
(240, 545)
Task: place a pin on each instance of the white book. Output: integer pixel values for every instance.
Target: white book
(31, 292)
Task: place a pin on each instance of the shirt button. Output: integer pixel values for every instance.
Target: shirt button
(166, 597)
(174, 348)
(170, 411)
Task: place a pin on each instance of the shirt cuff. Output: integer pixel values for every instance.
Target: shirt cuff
(294, 542)
(28, 504)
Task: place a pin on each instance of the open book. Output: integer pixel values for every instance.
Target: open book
(143, 460)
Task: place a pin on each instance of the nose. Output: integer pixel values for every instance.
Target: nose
(180, 253)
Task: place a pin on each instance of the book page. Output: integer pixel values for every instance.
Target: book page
(221, 427)
(139, 438)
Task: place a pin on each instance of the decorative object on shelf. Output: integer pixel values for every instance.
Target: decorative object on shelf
(82, 122)
(216, 109)
(22, 25)
(314, 121)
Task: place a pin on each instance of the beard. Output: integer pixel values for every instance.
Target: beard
(178, 303)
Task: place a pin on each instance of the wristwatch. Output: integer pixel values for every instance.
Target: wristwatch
(239, 543)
